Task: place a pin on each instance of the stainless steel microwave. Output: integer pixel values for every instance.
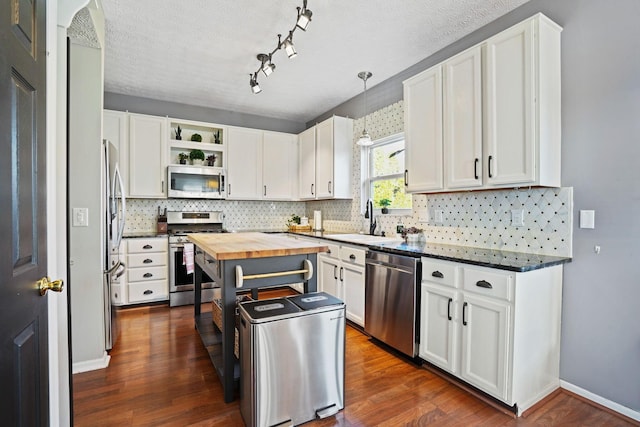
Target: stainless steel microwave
(196, 182)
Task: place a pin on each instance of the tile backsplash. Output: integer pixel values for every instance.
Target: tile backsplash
(477, 219)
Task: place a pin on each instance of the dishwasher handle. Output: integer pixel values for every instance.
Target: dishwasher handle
(390, 266)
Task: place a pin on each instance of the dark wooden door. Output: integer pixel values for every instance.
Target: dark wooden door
(24, 372)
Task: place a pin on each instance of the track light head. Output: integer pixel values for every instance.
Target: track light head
(289, 47)
(304, 17)
(266, 66)
(253, 83)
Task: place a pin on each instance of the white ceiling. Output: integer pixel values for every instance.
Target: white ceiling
(201, 52)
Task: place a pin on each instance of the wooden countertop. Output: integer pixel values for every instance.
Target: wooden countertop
(223, 246)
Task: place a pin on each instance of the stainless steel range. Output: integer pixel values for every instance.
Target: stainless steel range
(179, 224)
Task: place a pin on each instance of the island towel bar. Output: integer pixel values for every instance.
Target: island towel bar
(307, 271)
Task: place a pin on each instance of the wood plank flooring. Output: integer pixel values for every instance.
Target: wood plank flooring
(160, 375)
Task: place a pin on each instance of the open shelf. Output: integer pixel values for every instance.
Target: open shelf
(211, 338)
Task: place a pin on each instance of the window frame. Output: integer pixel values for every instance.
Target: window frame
(367, 170)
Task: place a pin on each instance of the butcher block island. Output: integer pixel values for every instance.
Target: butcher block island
(240, 262)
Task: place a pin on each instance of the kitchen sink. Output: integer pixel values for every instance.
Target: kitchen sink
(364, 239)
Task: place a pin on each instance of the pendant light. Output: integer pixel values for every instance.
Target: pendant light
(365, 139)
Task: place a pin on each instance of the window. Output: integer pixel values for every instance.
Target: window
(384, 174)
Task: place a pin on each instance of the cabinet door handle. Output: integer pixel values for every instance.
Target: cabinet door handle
(475, 168)
(341, 275)
(147, 275)
(484, 284)
(312, 189)
(148, 292)
(449, 308)
(147, 261)
(406, 177)
(329, 187)
(489, 165)
(147, 247)
(335, 274)
(464, 314)
(437, 274)
(329, 251)
(352, 257)
(229, 191)
(265, 191)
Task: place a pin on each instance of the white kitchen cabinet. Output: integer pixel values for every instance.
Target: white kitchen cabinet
(244, 160)
(341, 274)
(423, 131)
(147, 269)
(488, 117)
(307, 163)
(279, 166)
(522, 114)
(497, 330)
(462, 106)
(115, 128)
(262, 165)
(147, 156)
(326, 152)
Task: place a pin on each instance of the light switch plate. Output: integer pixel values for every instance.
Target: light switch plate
(80, 217)
(587, 219)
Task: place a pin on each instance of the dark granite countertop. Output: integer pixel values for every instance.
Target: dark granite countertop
(141, 234)
(502, 260)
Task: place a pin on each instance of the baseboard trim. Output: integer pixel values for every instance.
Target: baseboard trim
(593, 398)
(92, 365)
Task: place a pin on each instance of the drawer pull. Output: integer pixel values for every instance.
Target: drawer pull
(148, 292)
(437, 274)
(147, 261)
(464, 314)
(484, 284)
(198, 252)
(147, 247)
(329, 251)
(210, 261)
(147, 275)
(352, 257)
(449, 308)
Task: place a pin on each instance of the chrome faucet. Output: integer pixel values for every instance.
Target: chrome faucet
(369, 215)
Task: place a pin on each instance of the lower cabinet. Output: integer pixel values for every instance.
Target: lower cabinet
(147, 272)
(497, 330)
(341, 274)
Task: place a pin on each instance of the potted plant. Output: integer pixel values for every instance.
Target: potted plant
(182, 158)
(197, 157)
(178, 133)
(385, 203)
(196, 137)
(211, 160)
(293, 221)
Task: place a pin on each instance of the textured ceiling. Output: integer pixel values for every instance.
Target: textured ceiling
(200, 52)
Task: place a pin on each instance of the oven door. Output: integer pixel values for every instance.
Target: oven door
(179, 280)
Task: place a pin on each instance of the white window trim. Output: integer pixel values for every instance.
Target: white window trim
(365, 172)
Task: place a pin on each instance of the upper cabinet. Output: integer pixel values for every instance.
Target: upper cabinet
(327, 150)
(147, 156)
(184, 136)
(262, 165)
(488, 117)
(115, 128)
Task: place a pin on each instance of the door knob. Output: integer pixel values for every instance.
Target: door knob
(46, 284)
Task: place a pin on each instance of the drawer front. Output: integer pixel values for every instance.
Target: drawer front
(148, 291)
(117, 294)
(151, 259)
(490, 283)
(442, 272)
(147, 245)
(352, 255)
(147, 274)
(334, 250)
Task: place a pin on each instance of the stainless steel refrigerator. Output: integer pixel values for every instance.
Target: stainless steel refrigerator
(115, 209)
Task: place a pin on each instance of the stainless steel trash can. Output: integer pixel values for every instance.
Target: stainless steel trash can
(291, 359)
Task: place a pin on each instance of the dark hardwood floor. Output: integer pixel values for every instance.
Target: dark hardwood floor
(160, 375)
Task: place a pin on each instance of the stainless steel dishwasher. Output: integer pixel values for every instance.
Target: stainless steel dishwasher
(391, 298)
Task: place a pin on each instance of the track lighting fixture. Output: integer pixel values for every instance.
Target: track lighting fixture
(266, 65)
(365, 139)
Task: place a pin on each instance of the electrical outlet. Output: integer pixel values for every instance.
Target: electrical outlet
(517, 217)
